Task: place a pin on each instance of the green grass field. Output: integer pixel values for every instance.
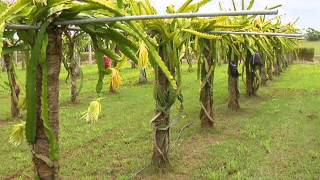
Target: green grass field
(274, 136)
(312, 44)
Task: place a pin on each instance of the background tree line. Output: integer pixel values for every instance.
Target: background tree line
(313, 34)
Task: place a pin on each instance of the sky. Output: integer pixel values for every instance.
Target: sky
(308, 11)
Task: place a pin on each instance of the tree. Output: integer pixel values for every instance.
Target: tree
(9, 66)
(233, 80)
(72, 63)
(207, 76)
(12, 45)
(312, 34)
(14, 86)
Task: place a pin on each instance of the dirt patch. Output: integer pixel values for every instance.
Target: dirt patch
(312, 116)
(190, 154)
(3, 122)
(6, 123)
(19, 175)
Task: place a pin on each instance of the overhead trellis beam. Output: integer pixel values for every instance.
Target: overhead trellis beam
(164, 16)
(146, 17)
(258, 34)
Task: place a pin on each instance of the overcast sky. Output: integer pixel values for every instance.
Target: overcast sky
(307, 10)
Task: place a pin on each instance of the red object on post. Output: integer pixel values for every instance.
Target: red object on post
(107, 62)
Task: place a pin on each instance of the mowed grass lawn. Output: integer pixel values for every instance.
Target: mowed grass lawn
(274, 136)
(312, 44)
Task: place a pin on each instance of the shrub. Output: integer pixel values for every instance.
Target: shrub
(306, 54)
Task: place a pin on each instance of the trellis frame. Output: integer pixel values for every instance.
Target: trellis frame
(147, 17)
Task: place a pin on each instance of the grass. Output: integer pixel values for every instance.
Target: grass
(274, 136)
(312, 44)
